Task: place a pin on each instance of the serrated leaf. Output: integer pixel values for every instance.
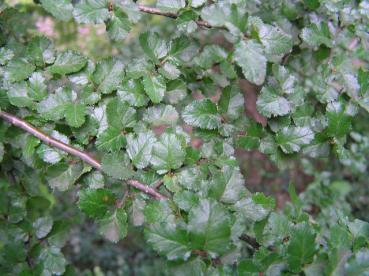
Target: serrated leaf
(119, 26)
(117, 165)
(315, 35)
(75, 114)
(18, 69)
(5, 55)
(339, 123)
(53, 107)
(250, 57)
(155, 87)
(40, 51)
(231, 103)
(209, 227)
(18, 95)
(111, 139)
(96, 202)
(62, 176)
(120, 115)
(139, 148)
(275, 40)
(202, 114)
(291, 139)
(113, 226)
(132, 91)
(301, 247)
(270, 104)
(91, 11)
(37, 88)
(53, 260)
(60, 9)
(167, 153)
(154, 47)
(68, 62)
(161, 115)
(108, 75)
(227, 185)
(42, 226)
(169, 240)
(170, 5)
(358, 265)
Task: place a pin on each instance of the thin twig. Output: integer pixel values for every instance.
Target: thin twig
(156, 11)
(72, 150)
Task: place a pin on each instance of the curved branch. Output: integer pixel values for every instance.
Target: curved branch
(72, 150)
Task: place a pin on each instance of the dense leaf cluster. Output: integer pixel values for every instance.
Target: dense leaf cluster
(170, 116)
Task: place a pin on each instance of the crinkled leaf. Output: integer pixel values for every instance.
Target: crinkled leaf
(167, 153)
(113, 226)
(155, 87)
(250, 57)
(291, 139)
(270, 104)
(96, 202)
(203, 114)
(61, 9)
(68, 62)
(91, 11)
(117, 165)
(209, 227)
(139, 148)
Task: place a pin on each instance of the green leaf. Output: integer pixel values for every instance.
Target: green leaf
(117, 165)
(60, 9)
(170, 5)
(120, 115)
(154, 47)
(359, 264)
(167, 153)
(170, 71)
(253, 209)
(315, 35)
(202, 114)
(160, 115)
(91, 11)
(301, 248)
(275, 40)
(270, 104)
(40, 51)
(227, 185)
(53, 107)
(68, 62)
(2, 151)
(339, 123)
(139, 148)
(231, 102)
(37, 88)
(108, 75)
(111, 139)
(249, 55)
(62, 176)
(96, 202)
(119, 26)
(18, 95)
(42, 226)
(186, 200)
(18, 69)
(5, 55)
(53, 260)
(197, 3)
(169, 240)
(75, 114)
(132, 91)
(291, 139)
(155, 87)
(209, 227)
(113, 226)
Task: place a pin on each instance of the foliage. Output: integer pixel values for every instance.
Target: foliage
(141, 112)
